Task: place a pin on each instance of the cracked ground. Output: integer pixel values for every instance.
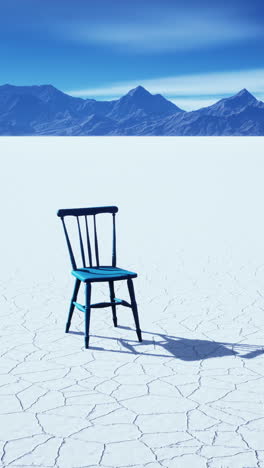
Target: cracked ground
(191, 394)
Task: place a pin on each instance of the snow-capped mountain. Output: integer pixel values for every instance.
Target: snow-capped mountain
(141, 104)
(241, 114)
(44, 110)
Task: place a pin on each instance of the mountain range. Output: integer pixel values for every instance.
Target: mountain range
(44, 110)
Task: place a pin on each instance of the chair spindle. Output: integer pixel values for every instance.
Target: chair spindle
(88, 243)
(81, 242)
(96, 243)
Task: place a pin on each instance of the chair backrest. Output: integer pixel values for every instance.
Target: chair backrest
(85, 243)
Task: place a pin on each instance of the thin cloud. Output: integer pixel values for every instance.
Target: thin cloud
(178, 32)
(191, 89)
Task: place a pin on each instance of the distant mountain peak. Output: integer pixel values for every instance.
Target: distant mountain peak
(244, 92)
(245, 95)
(138, 91)
(233, 104)
(46, 88)
(28, 87)
(139, 104)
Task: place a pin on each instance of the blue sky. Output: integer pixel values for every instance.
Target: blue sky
(191, 52)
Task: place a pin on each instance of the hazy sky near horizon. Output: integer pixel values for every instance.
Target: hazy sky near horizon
(191, 52)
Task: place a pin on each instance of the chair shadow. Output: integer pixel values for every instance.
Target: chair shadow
(181, 348)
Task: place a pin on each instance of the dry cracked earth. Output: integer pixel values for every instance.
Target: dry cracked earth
(191, 394)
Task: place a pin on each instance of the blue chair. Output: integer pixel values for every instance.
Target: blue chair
(96, 273)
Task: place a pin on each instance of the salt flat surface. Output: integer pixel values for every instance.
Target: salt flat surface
(191, 225)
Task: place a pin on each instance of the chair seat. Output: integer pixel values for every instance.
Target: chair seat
(102, 273)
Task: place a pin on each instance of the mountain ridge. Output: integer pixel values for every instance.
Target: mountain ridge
(45, 110)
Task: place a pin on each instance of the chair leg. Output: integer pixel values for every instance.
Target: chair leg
(112, 297)
(87, 313)
(134, 307)
(74, 297)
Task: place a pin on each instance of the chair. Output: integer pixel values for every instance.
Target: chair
(96, 273)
